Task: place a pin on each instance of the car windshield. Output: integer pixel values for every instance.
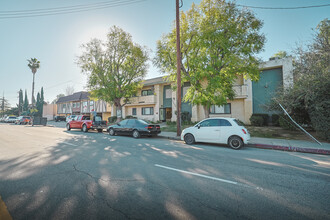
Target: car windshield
(12, 117)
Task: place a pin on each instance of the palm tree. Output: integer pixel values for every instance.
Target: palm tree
(34, 65)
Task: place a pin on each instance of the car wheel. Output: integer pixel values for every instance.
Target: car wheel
(84, 128)
(189, 139)
(136, 134)
(68, 128)
(112, 132)
(235, 142)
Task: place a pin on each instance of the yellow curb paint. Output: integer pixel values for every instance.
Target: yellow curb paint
(4, 214)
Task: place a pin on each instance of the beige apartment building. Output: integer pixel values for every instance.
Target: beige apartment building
(156, 101)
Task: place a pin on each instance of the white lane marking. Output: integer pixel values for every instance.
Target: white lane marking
(196, 174)
(208, 177)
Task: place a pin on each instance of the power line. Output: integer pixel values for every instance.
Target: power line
(284, 8)
(66, 10)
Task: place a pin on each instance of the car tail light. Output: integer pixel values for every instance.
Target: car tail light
(149, 127)
(244, 131)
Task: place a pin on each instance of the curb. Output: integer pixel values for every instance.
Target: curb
(293, 149)
(273, 147)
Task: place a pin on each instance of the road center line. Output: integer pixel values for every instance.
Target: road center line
(196, 174)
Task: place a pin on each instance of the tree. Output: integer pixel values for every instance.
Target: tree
(4, 105)
(34, 65)
(219, 42)
(280, 54)
(57, 97)
(38, 105)
(115, 67)
(20, 101)
(42, 101)
(69, 90)
(308, 101)
(26, 103)
(12, 111)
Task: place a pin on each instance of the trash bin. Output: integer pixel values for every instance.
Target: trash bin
(39, 121)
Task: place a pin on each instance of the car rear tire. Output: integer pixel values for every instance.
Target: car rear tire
(189, 139)
(68, 128)
(235, 142)
(84, 128)
(136, 134)
(112, 132)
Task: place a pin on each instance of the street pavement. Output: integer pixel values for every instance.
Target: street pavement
(50, 173)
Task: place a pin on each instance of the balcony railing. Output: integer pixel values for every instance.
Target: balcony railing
(241, 91)
(150, 99)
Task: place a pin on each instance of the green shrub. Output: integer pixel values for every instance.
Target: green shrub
(285, 122)
(185, 116)
(265, 118)
(171, 122)
(130, 117)
(275, 120)
(112, 119)
(257, 120)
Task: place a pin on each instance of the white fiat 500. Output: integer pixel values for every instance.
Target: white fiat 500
(217, 130)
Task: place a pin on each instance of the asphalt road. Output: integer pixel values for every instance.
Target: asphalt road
(49, 173)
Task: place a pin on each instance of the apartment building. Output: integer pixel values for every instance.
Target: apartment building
(79, 103)
(156, 101)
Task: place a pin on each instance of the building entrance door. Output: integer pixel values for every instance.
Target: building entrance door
(162, 114)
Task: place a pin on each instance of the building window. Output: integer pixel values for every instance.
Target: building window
(133, 111)
(168, 93)
(224, 109)
(73, 105)
(148, 111)
(147, 92)
(84, 107)
(91, 106)
(78, 105)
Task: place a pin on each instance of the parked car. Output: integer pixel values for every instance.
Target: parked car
(217, 130)
(84, 123)
(69, 118)
(23, 120)
(134, 127)
(59, 118)
(11, 119)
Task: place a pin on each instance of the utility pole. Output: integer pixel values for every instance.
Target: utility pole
(178, 60)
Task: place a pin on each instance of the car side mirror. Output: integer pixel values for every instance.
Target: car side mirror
(198, 126)
(118, 124)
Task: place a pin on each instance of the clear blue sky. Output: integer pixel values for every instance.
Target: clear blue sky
(55, 40)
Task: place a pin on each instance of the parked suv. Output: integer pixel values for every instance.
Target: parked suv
(70, 117)
(59, 118)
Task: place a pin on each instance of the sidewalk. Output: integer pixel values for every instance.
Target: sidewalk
(275, 144)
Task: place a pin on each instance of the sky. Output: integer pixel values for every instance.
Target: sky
(55, 40)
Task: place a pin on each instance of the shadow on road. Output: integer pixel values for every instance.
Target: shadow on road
(115, 178)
